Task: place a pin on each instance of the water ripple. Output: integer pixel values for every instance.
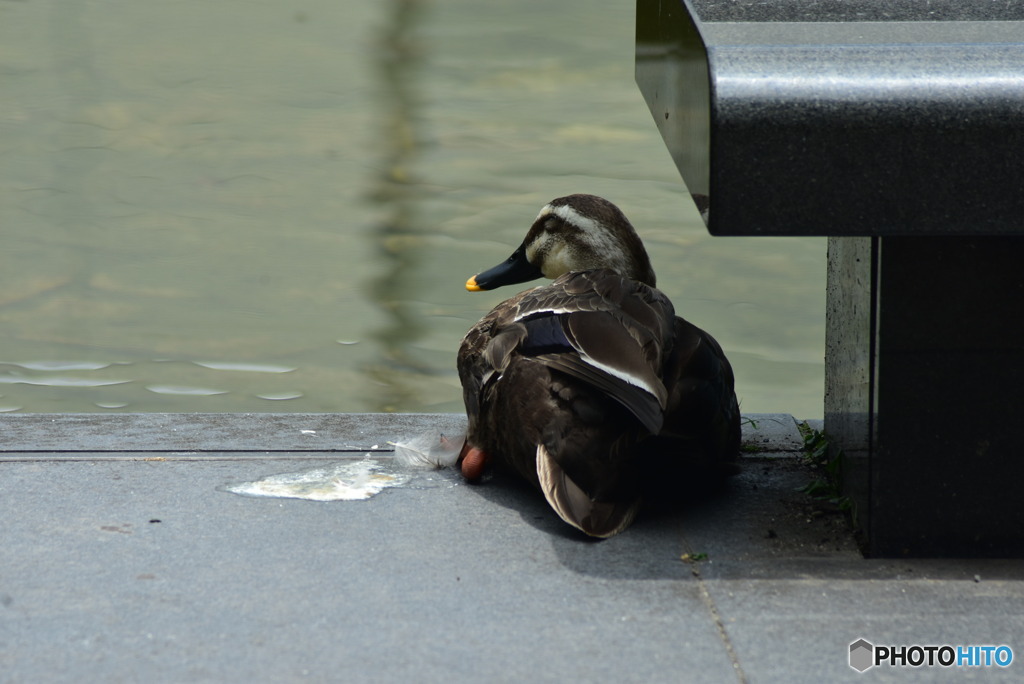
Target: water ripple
(57, 365)
(58, 381)
(183, 390)
(251, 367)
(280, 396)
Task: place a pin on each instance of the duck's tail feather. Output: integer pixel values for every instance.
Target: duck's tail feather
(595, 518)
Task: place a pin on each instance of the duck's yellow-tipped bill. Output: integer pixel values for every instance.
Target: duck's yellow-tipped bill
(515, 269)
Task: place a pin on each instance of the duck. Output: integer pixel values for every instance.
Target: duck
(590, 387)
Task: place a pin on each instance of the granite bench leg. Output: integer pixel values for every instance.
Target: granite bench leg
(924, 389)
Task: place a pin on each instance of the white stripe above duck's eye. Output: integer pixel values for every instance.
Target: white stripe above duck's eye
(598, 239)
(570, 215)
(581, 243)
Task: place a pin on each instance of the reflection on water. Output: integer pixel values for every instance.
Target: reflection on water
(397, 56)
(240, 207)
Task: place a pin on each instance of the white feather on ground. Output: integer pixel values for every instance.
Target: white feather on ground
(431, 449)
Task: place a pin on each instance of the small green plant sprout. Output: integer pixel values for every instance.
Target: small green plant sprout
(749, 447)
(828, 487)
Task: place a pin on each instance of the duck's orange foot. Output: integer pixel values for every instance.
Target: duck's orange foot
(473, 461)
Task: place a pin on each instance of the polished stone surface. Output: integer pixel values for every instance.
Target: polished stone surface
(869, 118)
(854, 10)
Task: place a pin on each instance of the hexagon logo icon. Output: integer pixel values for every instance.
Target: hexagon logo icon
(862, 655)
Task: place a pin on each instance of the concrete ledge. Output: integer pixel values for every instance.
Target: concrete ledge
(94, 433)
(214, 432)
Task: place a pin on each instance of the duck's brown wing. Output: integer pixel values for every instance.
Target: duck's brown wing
(484, 355)
(596, 326)
(606, 330)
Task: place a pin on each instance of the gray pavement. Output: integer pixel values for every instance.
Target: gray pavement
(123, 560)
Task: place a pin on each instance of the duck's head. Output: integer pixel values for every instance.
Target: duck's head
(574, 233)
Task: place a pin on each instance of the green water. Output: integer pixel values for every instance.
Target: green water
(257, 206)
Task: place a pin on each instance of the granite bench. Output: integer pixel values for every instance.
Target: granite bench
(895, 128)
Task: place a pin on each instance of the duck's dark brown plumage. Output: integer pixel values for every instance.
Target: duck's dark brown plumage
(585, 385)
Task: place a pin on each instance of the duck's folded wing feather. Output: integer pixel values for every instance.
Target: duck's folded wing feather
(605, 330)
(621, 347)
(596, 518)
(641, 403)
(597, 348)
